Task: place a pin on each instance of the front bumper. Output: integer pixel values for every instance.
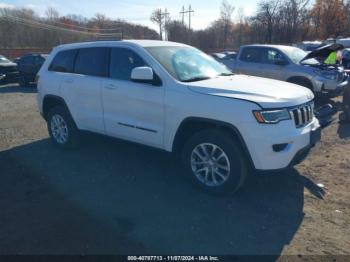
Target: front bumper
(12, 77)
(261, 139)
(330, 89)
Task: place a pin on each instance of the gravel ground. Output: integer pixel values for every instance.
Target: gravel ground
(114, 197)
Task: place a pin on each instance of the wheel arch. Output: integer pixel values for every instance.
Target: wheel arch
(301, 79)
(51, 101)
(191, 125)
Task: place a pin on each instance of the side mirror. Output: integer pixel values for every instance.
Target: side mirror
(281, 62)
(143, 74)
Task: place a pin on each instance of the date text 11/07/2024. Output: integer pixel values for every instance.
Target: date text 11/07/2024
(173, 258)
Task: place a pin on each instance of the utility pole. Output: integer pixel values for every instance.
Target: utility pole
(182, 13)
(190, 11)
(164, 16)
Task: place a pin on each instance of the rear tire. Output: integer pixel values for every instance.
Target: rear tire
(215, 162)
(62, 129)
(23, 82)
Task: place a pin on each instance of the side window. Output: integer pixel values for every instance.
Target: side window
(251, 54)
(123, 61)
(63, 61)
(272, 56)
(27, 60)
(92, 61)
(38, 60)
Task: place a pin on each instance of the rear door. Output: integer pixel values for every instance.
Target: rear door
(38, 62)
(250, 61)
(82, 88)
(25, 65)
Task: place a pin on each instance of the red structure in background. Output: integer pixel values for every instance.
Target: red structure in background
(18, 52)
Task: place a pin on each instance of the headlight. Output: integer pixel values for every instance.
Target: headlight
(271, 116)
(327, 74)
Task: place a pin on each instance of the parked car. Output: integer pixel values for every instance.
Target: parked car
(8, 71)
(309, 46)
(346, 58)
(346, 104)
(227, 58)
(294, 65)
(174, 97)
(28, 67)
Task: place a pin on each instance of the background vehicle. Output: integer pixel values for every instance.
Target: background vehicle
(309, 46)
(174, 97)
(293, 65)
(28, 67)
(226, 58)
(8, 71)
(346, 104)
(346, 58)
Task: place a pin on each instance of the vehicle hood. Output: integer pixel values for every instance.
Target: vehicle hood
(267, 93)
(7, 64)
(323, 52)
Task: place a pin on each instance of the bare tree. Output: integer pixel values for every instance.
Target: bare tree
(157, 18)
(267, 11)
(226, 11)
(52, 14)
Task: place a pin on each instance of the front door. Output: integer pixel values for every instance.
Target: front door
(132, 111)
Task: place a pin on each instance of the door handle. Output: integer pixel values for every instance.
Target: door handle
(110, 86)
(68, 81)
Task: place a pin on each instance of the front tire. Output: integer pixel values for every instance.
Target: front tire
(62, 129)
(215, 162)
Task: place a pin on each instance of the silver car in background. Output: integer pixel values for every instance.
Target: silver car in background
(293, 65)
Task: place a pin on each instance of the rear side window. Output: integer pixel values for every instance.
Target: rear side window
(92, 61)
(64, 61)
(123, 61)
(253, 55)
(27, 60)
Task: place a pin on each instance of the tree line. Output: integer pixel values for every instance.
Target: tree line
(275, 21)
(23, 28)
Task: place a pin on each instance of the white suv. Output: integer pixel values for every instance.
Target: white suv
(174, 97)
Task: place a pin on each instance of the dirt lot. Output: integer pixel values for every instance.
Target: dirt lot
(113, 197)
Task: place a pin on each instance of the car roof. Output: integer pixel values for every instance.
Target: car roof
(140, 43)
(281, 47)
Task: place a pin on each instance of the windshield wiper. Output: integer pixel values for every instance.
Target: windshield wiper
(226, 74)
(199, 78)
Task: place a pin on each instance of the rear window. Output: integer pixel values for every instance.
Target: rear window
(64, 61)
(92, 61)
(27, 60)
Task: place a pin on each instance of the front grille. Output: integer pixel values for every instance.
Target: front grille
(8, 69)
(302, 115)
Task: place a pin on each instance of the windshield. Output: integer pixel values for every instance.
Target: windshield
(188, 64)
(4, 59)
(296, 55)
